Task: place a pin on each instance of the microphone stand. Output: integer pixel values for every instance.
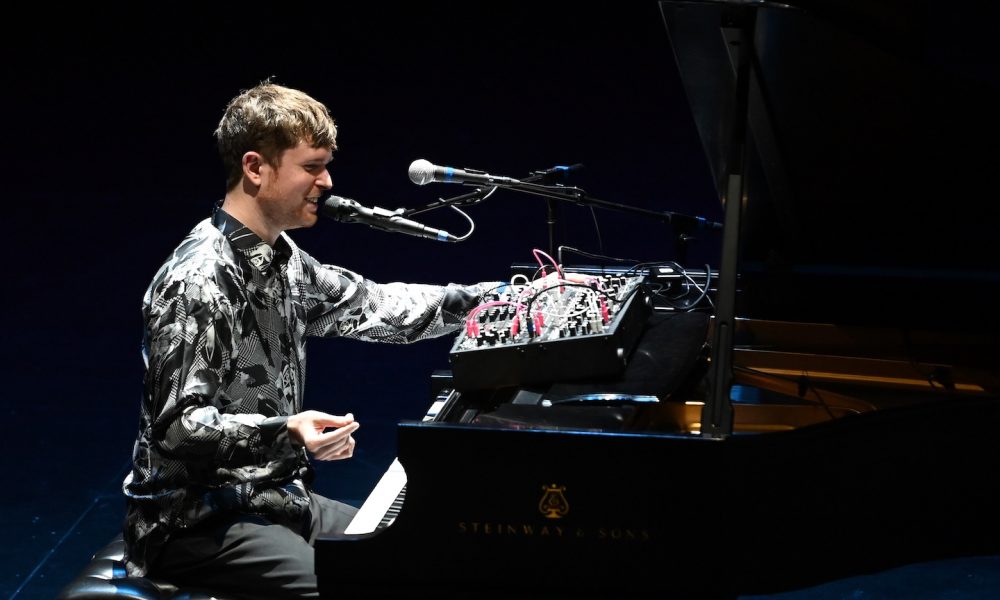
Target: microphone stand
(544, 177)
(682, 223)
(464, 200)
(540, 183)
(539, 177)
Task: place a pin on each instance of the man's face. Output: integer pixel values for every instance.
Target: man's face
(289, 193)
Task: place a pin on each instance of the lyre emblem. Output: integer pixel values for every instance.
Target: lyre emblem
(553, 503)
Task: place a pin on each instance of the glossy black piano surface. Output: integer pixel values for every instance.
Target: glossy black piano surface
(874, 474)
(865, 389)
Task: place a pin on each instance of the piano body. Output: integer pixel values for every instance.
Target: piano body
(834, 415)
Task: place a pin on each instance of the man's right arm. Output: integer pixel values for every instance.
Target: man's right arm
(193, 333)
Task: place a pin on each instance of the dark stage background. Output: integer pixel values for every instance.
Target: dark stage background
(110, 160)
(109, 148)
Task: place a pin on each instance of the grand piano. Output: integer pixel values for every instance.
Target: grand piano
(833, 413)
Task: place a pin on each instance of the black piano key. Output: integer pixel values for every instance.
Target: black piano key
(393, 511)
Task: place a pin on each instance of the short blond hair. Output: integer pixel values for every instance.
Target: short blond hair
(269, 119)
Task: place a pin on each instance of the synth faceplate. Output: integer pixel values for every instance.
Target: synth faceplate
(564, 332)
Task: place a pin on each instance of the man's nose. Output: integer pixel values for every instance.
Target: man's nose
(325, 181)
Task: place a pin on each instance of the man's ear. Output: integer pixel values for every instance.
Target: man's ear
(252, 162)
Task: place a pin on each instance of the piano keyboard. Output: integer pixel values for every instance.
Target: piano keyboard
(386, 499)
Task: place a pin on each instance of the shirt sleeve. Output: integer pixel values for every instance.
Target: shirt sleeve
(192, 333)
(340, 302)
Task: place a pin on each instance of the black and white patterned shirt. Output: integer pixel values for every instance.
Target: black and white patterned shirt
(226, 319)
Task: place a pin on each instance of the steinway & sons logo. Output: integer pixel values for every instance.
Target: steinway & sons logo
(553, 505)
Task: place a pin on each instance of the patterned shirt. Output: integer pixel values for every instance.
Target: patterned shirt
(226, 319)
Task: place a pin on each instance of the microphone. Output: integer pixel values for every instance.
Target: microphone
(346, 210)
(423, 172)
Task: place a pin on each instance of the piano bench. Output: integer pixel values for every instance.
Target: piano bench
(104, 578)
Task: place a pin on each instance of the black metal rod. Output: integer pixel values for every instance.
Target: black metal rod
(578, 196)
(717, 414)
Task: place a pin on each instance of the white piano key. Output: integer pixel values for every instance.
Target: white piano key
(379, 501)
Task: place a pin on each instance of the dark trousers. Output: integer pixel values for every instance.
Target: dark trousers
(246, 556)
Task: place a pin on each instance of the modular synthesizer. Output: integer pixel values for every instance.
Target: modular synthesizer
(527, 335)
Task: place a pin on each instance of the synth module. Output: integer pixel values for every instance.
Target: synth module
(570, 331)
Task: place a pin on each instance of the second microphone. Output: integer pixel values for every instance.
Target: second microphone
(346, 210)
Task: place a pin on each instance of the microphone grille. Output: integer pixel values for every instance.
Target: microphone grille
(421, 171)
(336, 208)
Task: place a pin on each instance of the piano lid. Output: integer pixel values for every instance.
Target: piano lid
(872, 131)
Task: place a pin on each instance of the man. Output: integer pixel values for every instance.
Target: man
(218, 497)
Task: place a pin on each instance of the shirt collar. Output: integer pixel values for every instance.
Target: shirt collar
(258, 253)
